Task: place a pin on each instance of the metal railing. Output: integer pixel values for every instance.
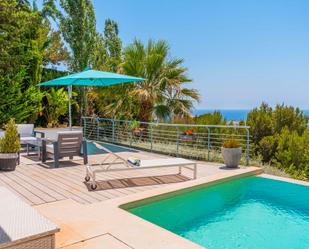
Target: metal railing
(185, 140)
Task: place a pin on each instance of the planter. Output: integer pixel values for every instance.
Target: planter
(231, 156)
(8, 161)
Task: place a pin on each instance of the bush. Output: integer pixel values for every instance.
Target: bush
(267, 148)
(261, 123)
(10, 142)
(292, 153)
(267, 123)
(56, 106)
(231, 143)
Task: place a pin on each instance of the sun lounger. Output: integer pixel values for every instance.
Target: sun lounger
(114, 162)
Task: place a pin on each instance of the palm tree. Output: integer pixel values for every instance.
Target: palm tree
(162, 92)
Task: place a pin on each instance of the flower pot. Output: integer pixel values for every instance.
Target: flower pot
(8, 161)
(231, 156)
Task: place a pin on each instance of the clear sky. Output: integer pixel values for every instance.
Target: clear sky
(239, 53)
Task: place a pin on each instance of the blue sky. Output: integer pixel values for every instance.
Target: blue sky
(239, 53)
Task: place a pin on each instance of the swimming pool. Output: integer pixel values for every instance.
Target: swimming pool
(93, 150)
(252, 212)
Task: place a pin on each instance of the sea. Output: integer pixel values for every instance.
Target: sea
(230, 114)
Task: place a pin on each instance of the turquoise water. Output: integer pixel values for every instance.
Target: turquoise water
(93, 150)
(253, 212)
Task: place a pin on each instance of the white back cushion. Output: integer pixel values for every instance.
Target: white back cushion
(25, 130)
(68, 133)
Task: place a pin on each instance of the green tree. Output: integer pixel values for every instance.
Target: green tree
(22, 105)
(113, 46)
(24, 32)
(162, 75)
(55, 52)
(99, 60)
(78, 26)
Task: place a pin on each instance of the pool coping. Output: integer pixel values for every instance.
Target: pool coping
(285, 179)
(191, 186)
(140, 233)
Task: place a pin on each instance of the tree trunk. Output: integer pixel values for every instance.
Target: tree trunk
(145, 111)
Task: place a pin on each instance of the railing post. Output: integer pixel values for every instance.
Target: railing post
(98, 129)
(151, 145)
(113, 131)
(84, 126)
(208, 143)
(131, 133)
(248, 147)
(177, 141)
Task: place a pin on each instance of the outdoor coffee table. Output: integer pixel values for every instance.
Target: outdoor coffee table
(36, 144)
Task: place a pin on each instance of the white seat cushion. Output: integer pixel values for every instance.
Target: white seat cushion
(24, 140)
(50, 148)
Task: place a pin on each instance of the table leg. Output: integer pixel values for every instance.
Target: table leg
(39, 152)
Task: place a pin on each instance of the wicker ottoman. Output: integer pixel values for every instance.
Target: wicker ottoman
(21, 226)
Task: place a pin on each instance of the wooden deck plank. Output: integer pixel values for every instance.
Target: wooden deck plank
(79, 179)
(60, 181)
(68, 191)
(4, 184)
(32, 199)
(34, 190)
(67, 174)
(108, 176)
(37, 181)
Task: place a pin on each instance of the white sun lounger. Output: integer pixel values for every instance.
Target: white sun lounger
(112, 160)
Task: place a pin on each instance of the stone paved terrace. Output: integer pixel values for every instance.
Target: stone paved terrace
(86, 218)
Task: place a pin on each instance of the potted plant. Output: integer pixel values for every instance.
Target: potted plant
(9, 147)
(231, 153)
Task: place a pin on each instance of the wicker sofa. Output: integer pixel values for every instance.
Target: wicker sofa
(21, 226)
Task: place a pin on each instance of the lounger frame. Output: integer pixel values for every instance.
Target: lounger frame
(105, 166)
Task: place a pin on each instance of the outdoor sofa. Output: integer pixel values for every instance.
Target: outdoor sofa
(21, 226)
(27, 133)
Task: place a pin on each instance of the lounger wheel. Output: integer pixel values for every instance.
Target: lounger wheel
(87, 178)
(93, 186)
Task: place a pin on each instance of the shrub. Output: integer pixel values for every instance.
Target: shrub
(10, 142)
(134, 124)
(267, 148)
(292, 153)
(56, 106)
(267, 123)
(231, 143)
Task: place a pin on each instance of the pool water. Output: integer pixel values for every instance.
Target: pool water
(252, 212)
(93, 150)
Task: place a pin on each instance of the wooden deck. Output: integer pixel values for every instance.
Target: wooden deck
(39, 183)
